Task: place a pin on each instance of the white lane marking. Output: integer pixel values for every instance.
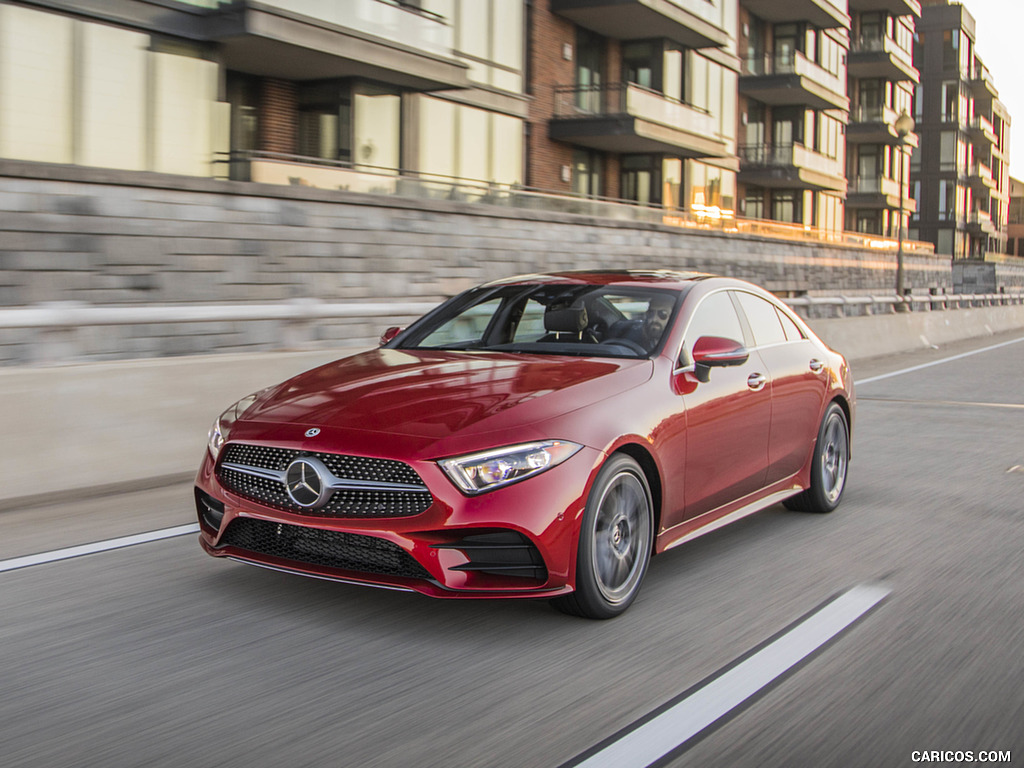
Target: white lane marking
(97, 546)
(674, 727)
(862, 382)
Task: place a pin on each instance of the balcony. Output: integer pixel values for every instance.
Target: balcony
(982, 134)
(789, 166)
(823, 14)
(982, 85)
(878, 56)
(312, 40)
(980, 223)
(894, 7)
(981, 180)
(628, 118)
(878, 192)
(875, 125)
(792, 79)
(692, 23)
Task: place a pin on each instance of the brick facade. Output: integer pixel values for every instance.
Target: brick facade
(551, 37)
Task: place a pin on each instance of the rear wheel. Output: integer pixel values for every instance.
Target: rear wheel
(615, 542)
(828, 466)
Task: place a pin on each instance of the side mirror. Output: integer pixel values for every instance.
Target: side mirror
(716, 352)
(389, 334)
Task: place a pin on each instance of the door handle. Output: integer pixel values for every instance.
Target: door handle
(816, 365)
(756, 381)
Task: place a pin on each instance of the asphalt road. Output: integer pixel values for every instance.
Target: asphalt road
(157, 655)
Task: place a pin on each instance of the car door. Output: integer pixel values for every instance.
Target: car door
(798, 380)
(727, 417)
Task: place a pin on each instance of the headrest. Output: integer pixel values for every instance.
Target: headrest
(568, 320)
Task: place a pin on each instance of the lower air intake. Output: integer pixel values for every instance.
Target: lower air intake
(314, 546)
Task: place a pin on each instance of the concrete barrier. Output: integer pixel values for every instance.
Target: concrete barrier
(876, 335)
(97, 427)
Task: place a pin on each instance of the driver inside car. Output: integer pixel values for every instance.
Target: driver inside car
(648, 329)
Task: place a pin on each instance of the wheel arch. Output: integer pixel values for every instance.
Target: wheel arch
(643, 457)
(843, 403)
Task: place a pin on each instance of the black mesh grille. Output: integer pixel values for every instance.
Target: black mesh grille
(369, 502)
(331, 549)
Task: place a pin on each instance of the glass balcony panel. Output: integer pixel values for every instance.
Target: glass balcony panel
(657, 108)
(425, 32)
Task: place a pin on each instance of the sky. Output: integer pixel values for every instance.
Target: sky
(999, 29)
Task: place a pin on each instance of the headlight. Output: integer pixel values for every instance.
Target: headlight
(222, 426)
(481, 472)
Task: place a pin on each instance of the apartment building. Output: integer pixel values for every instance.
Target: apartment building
(881, 78)
(635, 99)
(960, 172)
(793, 110)
(330, 94)
(1015, 219)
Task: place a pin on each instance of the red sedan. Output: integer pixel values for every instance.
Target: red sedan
(541, 436)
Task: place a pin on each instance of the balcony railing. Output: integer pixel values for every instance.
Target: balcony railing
(982, 171)
(342, 176)
(882, 44)
(792, 63)
(874, 185)
(982, 126)
(873, 114)
(788, 155)
(394, 20)
(634, 100)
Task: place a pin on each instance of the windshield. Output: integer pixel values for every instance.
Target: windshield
(586, 320)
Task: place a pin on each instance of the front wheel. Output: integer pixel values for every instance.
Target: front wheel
(828, 466)
(615, 542)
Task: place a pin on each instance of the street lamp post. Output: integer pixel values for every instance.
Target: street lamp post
(904, 125)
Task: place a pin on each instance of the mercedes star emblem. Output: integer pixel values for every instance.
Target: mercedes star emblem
(313, 432)
(304, 480)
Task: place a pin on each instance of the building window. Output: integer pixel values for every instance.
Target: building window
(786, 205)
(586, 173)
(351, 122)
(589, 70)
(869, 222)
(641, 178)
(753, 203)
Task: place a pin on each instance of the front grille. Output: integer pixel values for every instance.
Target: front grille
(362, 502)
(313, 546)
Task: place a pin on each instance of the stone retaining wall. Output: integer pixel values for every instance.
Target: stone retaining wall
(113, 238)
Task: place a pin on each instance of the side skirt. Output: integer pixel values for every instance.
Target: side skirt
(713, 523)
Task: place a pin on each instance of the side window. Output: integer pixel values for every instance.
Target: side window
(764, 320)
(793, 332)
(531, 324)
(715, 316)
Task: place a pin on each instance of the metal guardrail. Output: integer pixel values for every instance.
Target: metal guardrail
(71, 314)
(928, 302)
(68, 332)
(57, 315)
(275, 167)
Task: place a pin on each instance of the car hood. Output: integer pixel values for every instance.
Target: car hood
(434, 395)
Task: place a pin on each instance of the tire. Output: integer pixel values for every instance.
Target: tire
(615, 542)
(828, 466)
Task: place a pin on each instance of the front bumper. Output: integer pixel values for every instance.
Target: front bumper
(516, 541)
